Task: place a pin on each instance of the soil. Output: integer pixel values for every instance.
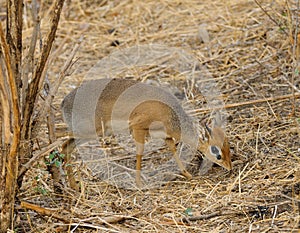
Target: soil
(246, 48)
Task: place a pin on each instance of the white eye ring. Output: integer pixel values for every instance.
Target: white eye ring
(214, 150)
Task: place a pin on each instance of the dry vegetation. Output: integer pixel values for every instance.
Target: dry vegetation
(251, 58)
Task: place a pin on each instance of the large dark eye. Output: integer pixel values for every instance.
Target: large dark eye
(215, 151)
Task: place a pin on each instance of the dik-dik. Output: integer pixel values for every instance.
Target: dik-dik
(106, 106)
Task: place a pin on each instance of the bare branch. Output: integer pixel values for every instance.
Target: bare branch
(12, 84)
(38, 156)
(28, 64)
(68, 64)
(11, 163)
(4, 100)
(36, 79)
(14, 36)
(270, 17)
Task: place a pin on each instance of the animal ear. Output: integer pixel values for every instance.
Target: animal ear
(208, 131)
(217, 122)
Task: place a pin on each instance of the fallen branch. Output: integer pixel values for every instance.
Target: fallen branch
(44, 211)
(186, 219)
(200, 217)
(250, 102)
(81, 222)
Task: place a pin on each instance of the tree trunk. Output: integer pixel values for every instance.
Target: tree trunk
(18, 103)
(9, 163)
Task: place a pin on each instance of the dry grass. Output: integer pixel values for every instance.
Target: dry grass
(251, 58)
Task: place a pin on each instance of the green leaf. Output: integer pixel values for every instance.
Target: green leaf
(189, 211)
(57, 163)
(41, 190)
(51, 156)
(282, 28)
(47, 163)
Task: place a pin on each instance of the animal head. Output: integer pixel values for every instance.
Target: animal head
(215, 147)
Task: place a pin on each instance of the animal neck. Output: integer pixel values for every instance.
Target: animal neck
(187, 132)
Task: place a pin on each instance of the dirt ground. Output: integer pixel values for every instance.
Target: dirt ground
(249, 53)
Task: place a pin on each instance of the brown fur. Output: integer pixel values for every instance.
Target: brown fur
(155, 110)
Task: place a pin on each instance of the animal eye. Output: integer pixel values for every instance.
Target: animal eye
(215, 151)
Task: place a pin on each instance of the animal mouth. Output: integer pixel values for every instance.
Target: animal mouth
(228, 166)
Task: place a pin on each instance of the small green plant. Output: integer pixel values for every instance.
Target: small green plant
(55, 157)
(40, 189)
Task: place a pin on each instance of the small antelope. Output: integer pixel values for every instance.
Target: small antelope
(107, 106)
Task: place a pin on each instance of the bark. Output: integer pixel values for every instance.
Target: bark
(10, 155)
(15, 155)
(14, 25)
(33, 88)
